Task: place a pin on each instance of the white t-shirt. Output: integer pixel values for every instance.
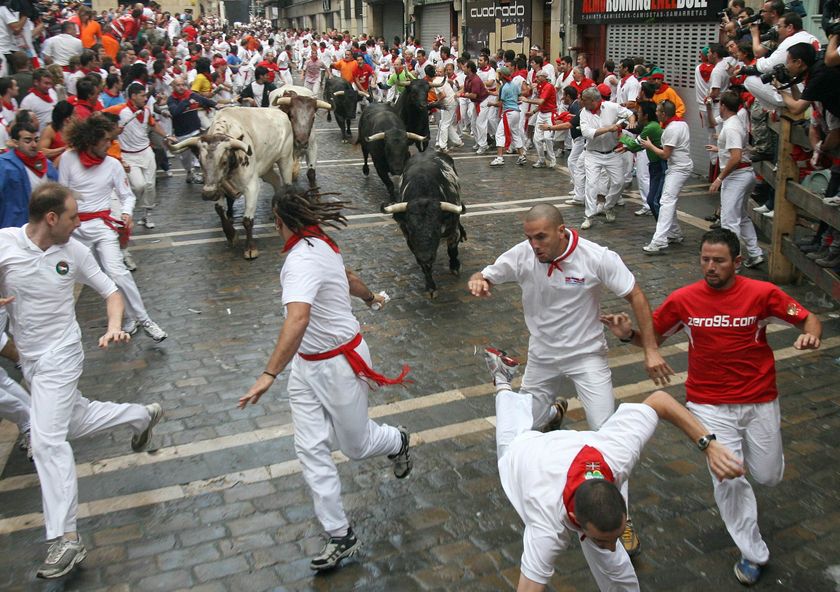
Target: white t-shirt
(732, 135)
(9, 42)
(720, 76)
(61, 48)
(628, 90)
(534, 470)
(779, 56)
(701, 87)
(562, 312)
(676, 135)
(135, 135)
(610, 114)
(42, 109)
(93, 185)
(43, 313)
(315, 274)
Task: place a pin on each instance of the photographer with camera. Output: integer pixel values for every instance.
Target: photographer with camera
(762, 23)
(821, 81)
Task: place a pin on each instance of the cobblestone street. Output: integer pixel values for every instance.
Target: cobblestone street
(221, 504)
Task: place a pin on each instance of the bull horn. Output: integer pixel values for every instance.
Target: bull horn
(415, 137)
(184, 145)
(375, 137)
(397, 208)
(285, 101)
(451, 208)
(324, 105)
(403, 82)
(239, 145)
(338, 93)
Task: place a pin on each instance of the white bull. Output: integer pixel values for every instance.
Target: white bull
(301, 105)
(240, 147)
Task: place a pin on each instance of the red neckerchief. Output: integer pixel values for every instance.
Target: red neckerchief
(662, 88)
(89, 160)
(624, 79)
(669, 120)
(310, 232)
(588, 464)
(86, 70)
(37, 164)
(10, 106)
(598, 110)
(44, 97)
(181, 96)
(573, 243)
(134, 109)
(523, 73)
(706, 71)
(111, 93)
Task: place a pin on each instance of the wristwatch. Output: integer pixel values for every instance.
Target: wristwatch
(704, 442)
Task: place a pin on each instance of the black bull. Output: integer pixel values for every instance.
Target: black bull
(382, 136)
(430, 211)
(344, 98)
(413, 109)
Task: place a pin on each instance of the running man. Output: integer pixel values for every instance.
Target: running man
(330, 365)
(40, 264)
(562, 276)
(731, 385)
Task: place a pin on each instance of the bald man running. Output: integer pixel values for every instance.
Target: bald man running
(562, 276)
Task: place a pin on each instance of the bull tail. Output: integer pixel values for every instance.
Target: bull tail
(462, 234)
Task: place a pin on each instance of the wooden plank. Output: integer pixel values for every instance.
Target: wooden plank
(813, 205)
(765, 170)
(784, 221)
(825, 279)
(763, 225)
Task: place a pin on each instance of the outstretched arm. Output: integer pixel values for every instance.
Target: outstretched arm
(656, 366)
(479, 286)
(722, 462)
(360, 290)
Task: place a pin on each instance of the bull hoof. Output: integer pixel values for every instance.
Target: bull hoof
(344, 140)
(251, 254)
(231, 239)
(365, 170)
(329, 117)
(310, 176)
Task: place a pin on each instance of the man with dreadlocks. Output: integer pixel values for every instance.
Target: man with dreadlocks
(93, 175)
(330, 364)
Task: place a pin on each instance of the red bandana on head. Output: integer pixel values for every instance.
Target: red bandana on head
(37, 164)
(310, 232)
(588, 464)
(573, 243)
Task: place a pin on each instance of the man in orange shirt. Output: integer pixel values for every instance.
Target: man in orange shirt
(89, 30)
(347, 66)
(665, 92)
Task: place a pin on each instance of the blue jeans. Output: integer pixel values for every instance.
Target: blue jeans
(657, 182)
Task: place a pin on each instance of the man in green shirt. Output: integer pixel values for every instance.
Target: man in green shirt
(656, 166)
(399, 77)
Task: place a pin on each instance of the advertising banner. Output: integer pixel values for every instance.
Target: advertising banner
(596, 12)
(498, 25)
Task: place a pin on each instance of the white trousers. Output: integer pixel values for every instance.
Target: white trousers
(188, 159)
(667, 225)
(643, 176)
(141, 177)
(544, 139)
(606, 167)
(480, 117)
(766, 94)
(612, 570)
(753, 433)
(628, 160)
(511, 136)
(14, 402)
(447, 129)
(284, 77)
(734, 190)
(330, 409)
(104, 244)
(577, 168)
(493, 117)
(60, 413)
(315, 87)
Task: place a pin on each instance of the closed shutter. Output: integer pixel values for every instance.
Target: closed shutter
(392, 21)
(674, 48)
(435, 20)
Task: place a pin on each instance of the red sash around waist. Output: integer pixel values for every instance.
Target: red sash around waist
(357, 363)
(118, 226)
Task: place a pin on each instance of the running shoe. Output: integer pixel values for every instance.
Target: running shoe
(335, 550)
(586, 224)
(62, 557)
(522, 160)
(498, 161)
(128, 260)
(573, 202)
(147, 221)
(555, 423)
(610, 215)
(539, 165)
(140, 442)
(152, 329)
(643, 212)
(502, 367)
(676, 240)
(402, 459)
(654, 249)
(630, 541)
(748, 572)
(130, 327)
(481, 150)
(751, 262)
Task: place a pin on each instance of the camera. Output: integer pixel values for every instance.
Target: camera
(723, 13)
(780, 74)
(754, 18)
(771, 35)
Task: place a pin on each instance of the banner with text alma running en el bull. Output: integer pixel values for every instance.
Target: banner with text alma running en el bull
(498, 25)
(594, 12)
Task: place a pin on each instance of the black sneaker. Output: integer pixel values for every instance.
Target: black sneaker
(336, 549)
(402, 460)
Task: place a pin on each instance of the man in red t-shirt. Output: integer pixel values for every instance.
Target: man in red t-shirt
(547, 104)
(731, 385)
(362, 78)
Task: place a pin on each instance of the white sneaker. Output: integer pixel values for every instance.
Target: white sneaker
(62, 557)
(573, 202)
(522, 160)
(481, 150)
(147, 221)
(586, 224)
(498, 161)
(768, 214)
(571, 191)
(751, 262)
(610, 215)
(152, 329)
(653, 249)
(130, 265)
(761, 209)
(502, 367)
(832, 201)
(643, 212)
(130, 327)
(141, 441)
(538, 165)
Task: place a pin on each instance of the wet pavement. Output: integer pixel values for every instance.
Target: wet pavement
(221, 505)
